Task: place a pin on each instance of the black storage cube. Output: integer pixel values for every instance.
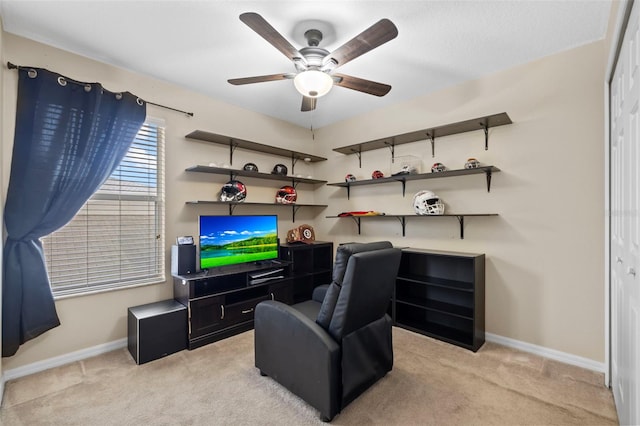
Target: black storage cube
(156, 330)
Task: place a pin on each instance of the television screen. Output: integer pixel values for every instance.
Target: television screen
(230, 240)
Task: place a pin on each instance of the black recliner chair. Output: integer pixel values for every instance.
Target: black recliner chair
(330, 349)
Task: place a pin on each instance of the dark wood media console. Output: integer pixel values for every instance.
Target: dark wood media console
(221, 304)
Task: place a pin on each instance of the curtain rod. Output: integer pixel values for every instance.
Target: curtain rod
(190, 114)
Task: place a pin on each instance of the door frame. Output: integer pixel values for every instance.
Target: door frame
(620, 25)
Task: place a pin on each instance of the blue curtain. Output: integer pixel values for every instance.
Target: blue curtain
(70, 136)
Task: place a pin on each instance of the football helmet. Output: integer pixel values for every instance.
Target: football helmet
(286, 195)
(472, 163)
(377, 174)
(280, 169)
(349, 178)
(408, 169)
(438, 167)
(250, 167)
(427, 203)
(234, 190)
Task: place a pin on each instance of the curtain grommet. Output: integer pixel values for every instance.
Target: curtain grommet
(32, 73)
(87, 88)
(140, 101)
(62, 81)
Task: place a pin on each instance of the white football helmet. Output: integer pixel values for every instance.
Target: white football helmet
(427, 203)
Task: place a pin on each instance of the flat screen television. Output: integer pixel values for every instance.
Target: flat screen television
(231, 240)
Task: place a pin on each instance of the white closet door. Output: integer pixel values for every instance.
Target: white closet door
(625, 229)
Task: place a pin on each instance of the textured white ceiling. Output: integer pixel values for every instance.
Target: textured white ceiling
(201, 44)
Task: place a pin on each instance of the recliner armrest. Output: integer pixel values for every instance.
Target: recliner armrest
(279, 322)
(298, 354)
(319, 293)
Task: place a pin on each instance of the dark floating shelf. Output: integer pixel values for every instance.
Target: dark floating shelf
(234, 143)
(233, 173)
(480, 123)
(403, 219)
(487, 170)
(233, 204)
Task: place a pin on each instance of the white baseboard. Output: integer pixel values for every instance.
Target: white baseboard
(564, 357)
(57, 361)
(122, 343)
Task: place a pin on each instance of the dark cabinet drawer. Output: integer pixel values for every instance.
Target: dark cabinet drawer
(242, 311)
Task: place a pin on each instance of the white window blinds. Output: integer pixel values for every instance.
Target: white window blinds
(116, 240)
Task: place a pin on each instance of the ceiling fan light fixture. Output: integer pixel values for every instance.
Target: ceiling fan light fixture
(313, 83)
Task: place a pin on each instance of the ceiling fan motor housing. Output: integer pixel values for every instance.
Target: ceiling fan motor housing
(313, 36)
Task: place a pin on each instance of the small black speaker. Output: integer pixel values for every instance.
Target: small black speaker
(156, 330)
(183, 259)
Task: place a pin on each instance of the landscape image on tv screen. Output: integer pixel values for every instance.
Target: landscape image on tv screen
(230, 240)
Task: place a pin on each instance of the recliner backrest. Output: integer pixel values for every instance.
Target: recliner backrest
(343, 253)
(366, 290)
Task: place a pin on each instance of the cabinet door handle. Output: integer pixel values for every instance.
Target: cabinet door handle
(222, 310)
(247, 311)
(631, 271)
(272, 297)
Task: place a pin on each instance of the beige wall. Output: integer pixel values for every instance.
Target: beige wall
(544, 285)
(544, 278)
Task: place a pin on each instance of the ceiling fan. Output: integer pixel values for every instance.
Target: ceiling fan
(315, 66)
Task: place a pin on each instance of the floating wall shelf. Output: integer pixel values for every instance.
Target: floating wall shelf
(233, 173)
(233, 204)
(403, 219)
(480, 123)
(234, 143)
(487, 170)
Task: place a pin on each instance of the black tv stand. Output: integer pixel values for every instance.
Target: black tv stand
(221, 301)
(262, 264)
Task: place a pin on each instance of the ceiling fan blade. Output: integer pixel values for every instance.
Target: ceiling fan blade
(260, 79)
(377, 34)
(308, 104)
(362, 85)
(258, 24)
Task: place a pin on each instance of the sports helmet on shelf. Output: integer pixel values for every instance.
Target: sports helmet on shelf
(349, 178)
(280, 169)
(234, 190)
(408, 169)
(472, 163)
(377, 174)
(427, 203)
(286, 195)
(250, 167)
(438, 167)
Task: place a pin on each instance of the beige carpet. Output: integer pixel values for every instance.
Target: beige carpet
(432, 383)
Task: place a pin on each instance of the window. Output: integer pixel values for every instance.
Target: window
(116, 240)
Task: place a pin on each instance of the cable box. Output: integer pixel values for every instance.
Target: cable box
(264, 274)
